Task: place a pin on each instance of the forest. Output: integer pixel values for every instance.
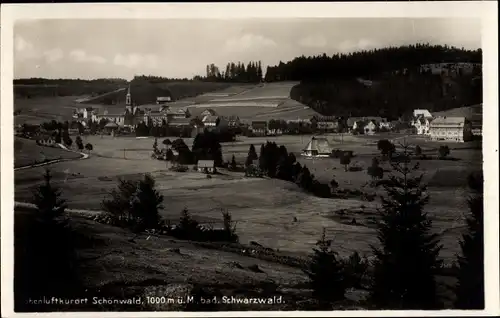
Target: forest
(369, 64)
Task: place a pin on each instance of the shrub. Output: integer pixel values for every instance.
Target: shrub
(443, 152)
(179, 168)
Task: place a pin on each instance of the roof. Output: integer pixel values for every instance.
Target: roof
(209, 111)
(180, 122)
(370, 122)
(352, 120)
(111, 125)
(319, 144)
(448, 121)
(205, 164)
(327, 119)
(210, 119)
(422, 112)
(259, 124)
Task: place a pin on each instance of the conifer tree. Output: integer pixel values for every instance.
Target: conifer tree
(407, 261)
(146, 204)
(47, 199)
(470, 264)
(326, 274)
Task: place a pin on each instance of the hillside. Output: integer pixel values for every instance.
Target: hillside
(144, 92)
(389, 96)
(160, 266)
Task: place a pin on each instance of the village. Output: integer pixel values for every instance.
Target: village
(286, 180)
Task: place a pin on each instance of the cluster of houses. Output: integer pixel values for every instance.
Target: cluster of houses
(450, 128)
(152, 115)
(457, 129)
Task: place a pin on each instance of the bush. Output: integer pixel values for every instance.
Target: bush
(179, 168)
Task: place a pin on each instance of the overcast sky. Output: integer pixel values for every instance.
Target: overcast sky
(182, 48)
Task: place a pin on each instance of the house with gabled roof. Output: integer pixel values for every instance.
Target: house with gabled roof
(317, 147)
(259, 128)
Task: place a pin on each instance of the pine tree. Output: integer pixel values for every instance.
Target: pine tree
(406, 262)
(470, 265)
(326, 274)
(47, 199)
(146, 204)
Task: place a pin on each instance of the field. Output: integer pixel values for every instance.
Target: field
(27, 152)
(264, 209)
(261, 102)
(42, 109)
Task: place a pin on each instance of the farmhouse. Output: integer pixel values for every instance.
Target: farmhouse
(385, 124)
(317, 147)
(355, 123)
(259, 128)
(451, 128)
(326, 123)
(155, 117)
(422, 125)
(208, 112)
(370, 127)
(111, 127)
(206, 166)
(211, 121)
(163, 99)
(180, 123)
(233, 121)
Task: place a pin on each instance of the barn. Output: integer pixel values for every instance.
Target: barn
(317, 147)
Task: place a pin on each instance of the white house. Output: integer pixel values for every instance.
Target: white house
(422, 125)
(206, 166)
(451, 129)
(214, 121)
(370, 127)
(385, 125)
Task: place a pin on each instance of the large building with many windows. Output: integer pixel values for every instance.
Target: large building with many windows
(456, 129)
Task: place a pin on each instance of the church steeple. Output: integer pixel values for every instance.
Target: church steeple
(128, 100)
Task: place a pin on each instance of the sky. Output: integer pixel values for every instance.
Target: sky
(182, 48)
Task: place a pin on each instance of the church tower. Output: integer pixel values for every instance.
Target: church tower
(128, 101)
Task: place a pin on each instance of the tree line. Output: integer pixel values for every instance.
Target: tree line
(368, 63)
(234, 72)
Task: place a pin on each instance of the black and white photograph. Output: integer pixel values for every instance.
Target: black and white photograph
(219, 163)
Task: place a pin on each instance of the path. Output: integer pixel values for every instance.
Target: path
(30, 205)
(83, 156)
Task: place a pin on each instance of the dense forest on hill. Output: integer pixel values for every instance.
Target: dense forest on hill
(368, 64)
(36, 87)
(385, 82)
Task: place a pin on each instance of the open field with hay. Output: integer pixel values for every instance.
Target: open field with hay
(264, 208)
